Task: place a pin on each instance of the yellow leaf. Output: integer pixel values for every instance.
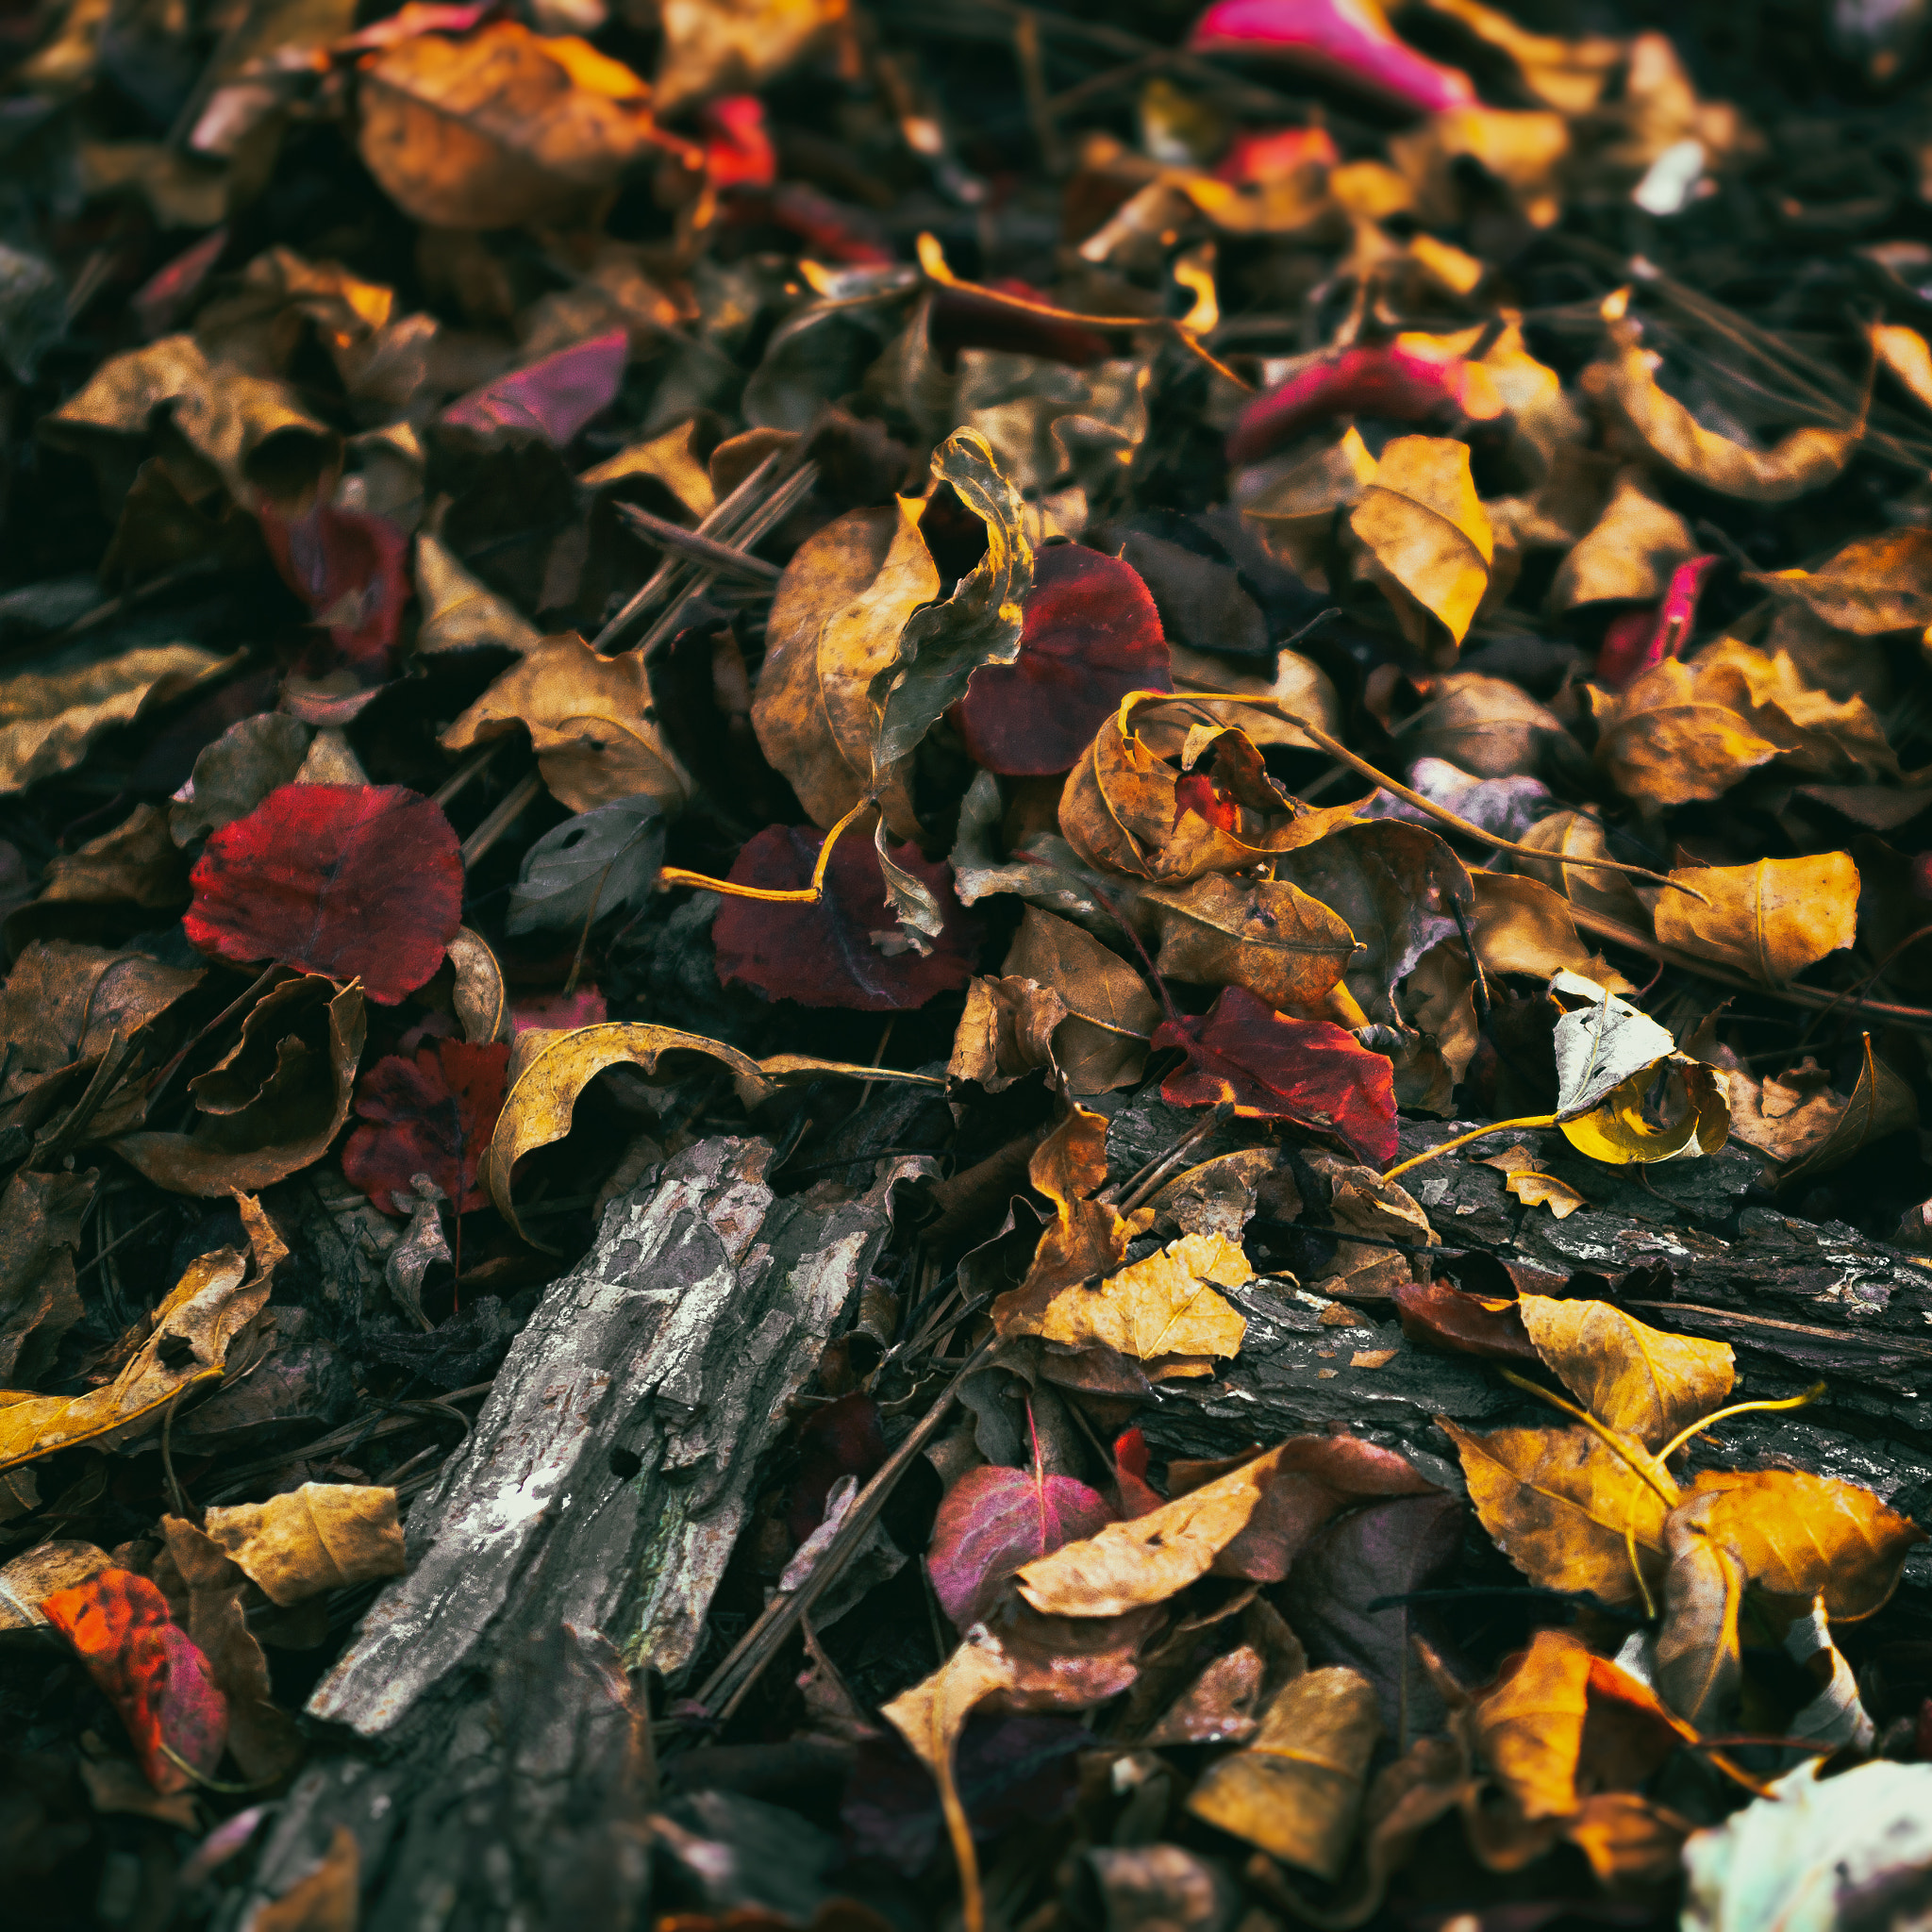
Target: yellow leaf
(1164, 1305)
(1815, 733)
(1297, 1789)
(1637, 1379)
(1868, 586)
(735, 47)
(1628, 554)
(592, 724)
(322, 1536)
(1618, 1129)
(1665, 740)
(1523, 1178)
(1572, 839)
(1770, 919)
(458, 611)
(1427, 530)
(1558, 1502)
(1567, 74)
(1269, 936)
(1906, 354)
(1528, 1731)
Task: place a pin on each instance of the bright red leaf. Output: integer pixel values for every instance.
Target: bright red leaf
(552, 397)
(1091, 634)
(1257, 155)
(993, 1520)
(737, 145)
(150, 1670)
(1639, 639)
(1405, 381)
(1273, 1068)
(431, 1115)
(350, 568)
(1339, 40)
(358, 881)
(1197, 791)
(1138, 1497)
(848, 950)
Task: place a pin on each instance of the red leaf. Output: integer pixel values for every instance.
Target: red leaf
(1197, 791)
(1090, 635)
(167, 293)
(350, 568)
(1137, 1497)
(993, 1520)
(552, 397)
(559, 1011)
(1447, 1317)
(358, 881)
(145, 1662)
(737, 145)
(1278, 1069)
(1257, 155)
(966, 319)
(1341, 39)
(1639, 639)
(418, 17)
(1403, 380)
(824, 955)
(432, 1115)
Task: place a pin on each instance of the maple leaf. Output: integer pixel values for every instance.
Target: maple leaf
(1273, 1068)
(431, 1115)
(830, 955)
(351, 569)
(1089, 635)
(357, 882)
(150, 1671)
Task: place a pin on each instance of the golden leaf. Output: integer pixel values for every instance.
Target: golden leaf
(1628, 554)
(1164, 1305)
(500, 128)
(1528, 1731)
(459, 613)
(1526, 1179)
(735, 47)
(1151, 1557)
(1635, 1378)
(1428, 535)
(1285, 946)
(1906, 354)
(1299, 683)
(1868, 586)
(1524, 151)
(1567, 74)
(322, 1536)
(1666, 742)
(592, 724)
(1560, 1502)
(1572, 839)
(1770, 919)
(1296, 1789)
(1815, 733)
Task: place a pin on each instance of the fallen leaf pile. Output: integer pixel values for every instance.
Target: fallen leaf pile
(1284, 650)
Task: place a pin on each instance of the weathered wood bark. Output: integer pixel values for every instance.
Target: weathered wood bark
(602, 1492)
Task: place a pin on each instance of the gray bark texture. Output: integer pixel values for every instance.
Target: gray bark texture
(487, 1746)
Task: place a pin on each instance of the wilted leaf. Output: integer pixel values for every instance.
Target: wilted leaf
(1269, 937)
(328, 1899)
(147, 1667)
(1337, 41)
(844, 950)
(273, 1104)
(1005, 1032)
(993, 1520)
(1572, 839)
(1880, 1103)
(1086, 1238)
(1803, 460)
(1111, 1015)
(1448, 1318)
(1528, 1731)
(432, 1115)
(1558, 1502)
(1090, 634)
(234, 774)
(1272, 1067)
(1428, 535)
(1637, 1379)
(51, 715)
(358, 881)
(592, 723)
(1700, 1658)
(1164, 1305)
(350, 568)
(551, 399)
(1523, 1177)
(499, 128)
(1567, 74)
(1869, 587)
(1151, 1557)
(1629, 554)
(1297, 1789)
(600, 863)
(1770, 919)
(1314, 1480)
(323, 1536)
(1640, 640)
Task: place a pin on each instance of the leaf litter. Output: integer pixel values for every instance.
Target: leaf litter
(1226, 710)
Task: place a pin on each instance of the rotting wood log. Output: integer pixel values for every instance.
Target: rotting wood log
(582, 1529)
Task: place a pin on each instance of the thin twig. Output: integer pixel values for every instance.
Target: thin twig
(508, 809)
(700, 549)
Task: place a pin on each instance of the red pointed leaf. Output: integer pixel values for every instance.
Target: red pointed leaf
(352, 571)
(1091, 634)
(352, 880)
(1275, 154)
(993, 1520)
(1341, 39)
(737, 145)
(1276, 1069)
(431, 1115)
(1137, 1497)
(553, 397)
(1404, 381)
(1197, 791)
(1639, 639)
(824, 955)
(145, 1662)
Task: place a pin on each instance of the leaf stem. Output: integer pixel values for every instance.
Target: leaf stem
(1718, 1415)
(1533, 1119)
(803, 895)
(1655, 1476)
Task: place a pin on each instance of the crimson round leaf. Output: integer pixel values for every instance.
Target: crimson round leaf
(1089, 635)
(993, 1520)
(824, 955)
(431, 1115)
(350, 568)
(357, 882)
(1273, 1068)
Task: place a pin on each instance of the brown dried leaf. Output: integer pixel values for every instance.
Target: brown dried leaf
(1103, 1043)
(1867, 587)
(323, 1536)
(1637, 1379)
(734, 46)
(1005, 1032)
(1628, 555)
(1286, 947)
(459, 611)
(1770, 919)
(1526, 1179)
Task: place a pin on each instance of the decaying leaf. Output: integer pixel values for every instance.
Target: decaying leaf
(1163, 1306)
(1101, 1043)
(1639, 1380)
(1281, 943)
(323, 1536)
(1770, 919)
